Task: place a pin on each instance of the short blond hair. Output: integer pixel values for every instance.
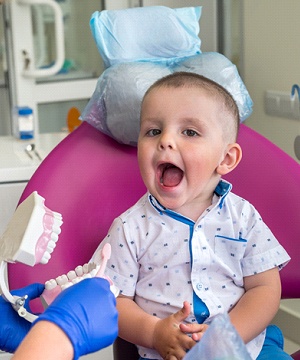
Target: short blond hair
(190, 79)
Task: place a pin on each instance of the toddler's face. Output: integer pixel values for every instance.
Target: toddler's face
(181, 146)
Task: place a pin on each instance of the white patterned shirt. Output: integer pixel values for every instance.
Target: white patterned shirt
(163, 258)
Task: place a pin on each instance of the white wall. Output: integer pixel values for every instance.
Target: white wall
(271, 61)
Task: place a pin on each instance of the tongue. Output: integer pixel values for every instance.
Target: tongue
(171, 176)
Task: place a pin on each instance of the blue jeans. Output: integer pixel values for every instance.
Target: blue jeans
(273, 346)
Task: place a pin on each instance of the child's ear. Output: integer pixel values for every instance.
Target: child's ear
(233, 156)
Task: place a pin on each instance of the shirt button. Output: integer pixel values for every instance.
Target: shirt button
(199, 286)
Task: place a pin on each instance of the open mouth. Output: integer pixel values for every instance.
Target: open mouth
(170, 175)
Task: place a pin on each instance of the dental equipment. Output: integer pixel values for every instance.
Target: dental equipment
(30, 238)
(30, 149)
(96, 268)
(105, 254)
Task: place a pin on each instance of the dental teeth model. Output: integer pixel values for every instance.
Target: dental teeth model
(32, 233)
(30, 238)
(54, 286)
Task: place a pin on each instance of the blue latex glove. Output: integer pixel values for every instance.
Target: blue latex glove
(87, 313)
(14, 328)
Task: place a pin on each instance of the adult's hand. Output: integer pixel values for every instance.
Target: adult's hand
(87, 314)
(14, 328)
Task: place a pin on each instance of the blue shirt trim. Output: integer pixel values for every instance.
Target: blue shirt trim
(200, 310)
(221, 190)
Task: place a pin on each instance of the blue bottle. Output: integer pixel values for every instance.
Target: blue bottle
(24, 123)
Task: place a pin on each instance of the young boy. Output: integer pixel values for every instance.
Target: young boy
(190, 249)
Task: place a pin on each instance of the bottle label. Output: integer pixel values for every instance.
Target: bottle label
(25, 123)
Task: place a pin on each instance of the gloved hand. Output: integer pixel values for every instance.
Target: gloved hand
(14, 328)
(87, 313)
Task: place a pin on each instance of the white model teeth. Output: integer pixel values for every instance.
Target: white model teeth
(77, 280)
(86, 271)
(47, 254)
(79, 270)
(57, 216)
(94, 272)
(56, 229)
(46, 257)
(85, 268)
(50, 284)
(51, 246)
(54, 237)
(71, 275)
(65, 286)
(86, 276)
(62, 280)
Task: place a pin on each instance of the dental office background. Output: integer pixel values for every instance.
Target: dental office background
(49, 62)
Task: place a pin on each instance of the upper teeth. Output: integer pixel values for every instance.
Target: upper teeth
(55, 231)
(46, 257)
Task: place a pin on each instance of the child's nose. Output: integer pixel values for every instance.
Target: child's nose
(167, 141)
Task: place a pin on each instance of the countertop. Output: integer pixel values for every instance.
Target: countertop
(17, 164)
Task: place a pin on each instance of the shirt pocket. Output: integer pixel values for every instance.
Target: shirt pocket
(230, 250)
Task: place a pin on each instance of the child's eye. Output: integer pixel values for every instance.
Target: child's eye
(153, 132)
(190, 132)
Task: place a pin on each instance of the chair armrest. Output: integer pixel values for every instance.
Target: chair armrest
(296, 355)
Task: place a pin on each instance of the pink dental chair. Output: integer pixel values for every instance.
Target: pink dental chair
(90, 179)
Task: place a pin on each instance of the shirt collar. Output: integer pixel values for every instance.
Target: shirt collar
(221, 190)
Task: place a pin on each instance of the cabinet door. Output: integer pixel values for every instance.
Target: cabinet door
(54, 64)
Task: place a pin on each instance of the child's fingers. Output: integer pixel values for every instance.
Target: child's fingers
(184, 312)
(196, 330)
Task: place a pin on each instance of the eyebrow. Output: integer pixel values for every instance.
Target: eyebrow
(186, 121)
(195, 121)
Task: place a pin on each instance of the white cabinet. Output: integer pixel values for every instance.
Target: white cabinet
(54, 64)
